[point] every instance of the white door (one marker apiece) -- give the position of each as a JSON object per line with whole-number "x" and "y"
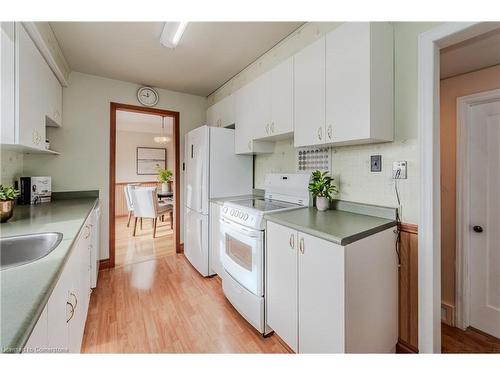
{"x": 196, "y": 241}
{"x": 281, "y": 282}
{"x": 484, "y": 146}
{"x": 321, "y": 296}
{"x": 282, "y": 98}
{"x": 197, "y": 169}
{"x": 309, "y": 95}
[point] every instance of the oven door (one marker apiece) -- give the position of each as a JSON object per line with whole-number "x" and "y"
{"x": 242, "y": 253}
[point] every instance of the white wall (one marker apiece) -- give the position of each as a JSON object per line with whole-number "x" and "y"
{"x": 12, "y": 166}
{"x": 126, "y": 155}
{"x": 84, "y": 138}
{"x": 352, "y": 163}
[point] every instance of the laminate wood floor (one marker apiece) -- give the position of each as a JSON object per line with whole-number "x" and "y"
{"x": 455, "y": 340}
{"x": 133, "y": 249}
{"x": 164, "y": 306}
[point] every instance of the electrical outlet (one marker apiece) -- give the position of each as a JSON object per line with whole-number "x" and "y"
{"x": 376, "y": 163}
{"x": 399, "y": 170}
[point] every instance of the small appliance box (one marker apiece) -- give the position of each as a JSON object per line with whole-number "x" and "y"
{"x": 35, "y": 190}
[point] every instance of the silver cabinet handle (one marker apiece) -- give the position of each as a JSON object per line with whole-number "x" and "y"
{"x": 292, "y": 241}
{"x": 320, "y": 133}
{"x": 301, "y": 245}
{"x": 330, "y": 131}
{"x": 87, "y": 235}
{"x": 272, "y": 127}
{"x": 76, "y": 300}
{"x": 72, "y": 311}
{"x": 267, "y": 128}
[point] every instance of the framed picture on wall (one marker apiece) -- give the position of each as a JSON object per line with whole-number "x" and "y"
{"x": 149, "y": 159}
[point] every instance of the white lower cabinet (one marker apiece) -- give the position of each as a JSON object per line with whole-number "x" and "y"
{"x": 215, "y": 238}
{"x": 61, "y": 326}
{"x": 325, "y": 298}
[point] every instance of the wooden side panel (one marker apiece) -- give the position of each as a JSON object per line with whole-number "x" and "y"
{"x": 120, "y": 200}
{"x": 408, "y": 289}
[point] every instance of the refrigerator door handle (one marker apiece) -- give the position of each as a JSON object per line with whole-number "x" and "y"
{"x": 192, "y": 151}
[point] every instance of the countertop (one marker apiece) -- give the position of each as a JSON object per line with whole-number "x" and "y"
{"x": 338, "y": 226}
{"x": 26, "y": 289}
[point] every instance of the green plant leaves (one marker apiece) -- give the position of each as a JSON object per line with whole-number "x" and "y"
{"x": 8, "y": 193}
{"x": 322, "y": 185}
{"x": 164, "y": 175}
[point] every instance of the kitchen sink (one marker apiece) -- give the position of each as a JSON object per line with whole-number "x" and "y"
{"x": 19, "y": 250}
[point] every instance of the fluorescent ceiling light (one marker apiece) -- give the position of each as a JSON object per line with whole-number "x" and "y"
{"x": 172, "y": 33}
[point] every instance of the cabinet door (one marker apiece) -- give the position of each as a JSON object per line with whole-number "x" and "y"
{"x": 60, "y": 312}
{"x": 31, "y": 91}
{"x": 282, "y": 98}
{"x": 39, "y": 339}
{"x": 215, "y": 239}
{"x": 54, "y": 99}
{"x": 348, "y": 82}
{"x": 261, "y": 92}
{"x": 210, "y": 116}
{"x": 243, "y": 129}
{"x": 281, "y": 285}
{"x": 227, "y": 111}
{"x": 321, "y": 296}
{"x": 309, "y": 95}
{"x": 7, "y": 83}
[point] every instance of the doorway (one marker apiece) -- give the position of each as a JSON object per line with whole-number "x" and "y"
{"x": 143, "y": 141}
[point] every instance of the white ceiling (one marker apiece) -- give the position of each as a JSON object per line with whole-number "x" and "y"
{"x": 142, "y": 123}
{"x": 208, "y": 55}
{"x": 470, "y": 55}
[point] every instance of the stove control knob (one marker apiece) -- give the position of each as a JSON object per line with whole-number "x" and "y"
{"x": 241, "y": 215}
{"x": 232, "y": 212}
{"x": 245, "y": 217}
{"x": 224, "y": 209}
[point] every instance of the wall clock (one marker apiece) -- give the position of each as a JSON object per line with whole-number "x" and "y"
{"x": 147, "y": 96}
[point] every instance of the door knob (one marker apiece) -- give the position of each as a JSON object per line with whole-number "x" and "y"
{"x": 477, "y": 228}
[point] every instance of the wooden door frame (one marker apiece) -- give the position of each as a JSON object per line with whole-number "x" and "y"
{"x": 462, "y": 293}
{"x": 114, "y": 107}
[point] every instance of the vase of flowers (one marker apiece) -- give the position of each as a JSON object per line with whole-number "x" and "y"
{"x": 322, "y": 188}
{"x": 165, "y": 179}
{"x": 7, "y": 196}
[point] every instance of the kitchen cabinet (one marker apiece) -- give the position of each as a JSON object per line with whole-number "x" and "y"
{"x": 215, "y": 238}
{"x": 247, "y": 117}
{"x": 36, "y": 94}
{"x": 322, "y": 297}
{"x": 281, "y": 290}
{"x": 223, "y": 113}
{"x": 359, "y": 83}
{"x": 61, "y": 326}
{"x": 309, "y": 95}
{"x": 275, "y": 102}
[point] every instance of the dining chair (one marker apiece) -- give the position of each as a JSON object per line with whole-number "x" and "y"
{"x": 128, "y": 198}
{"x": 145, "y": 203}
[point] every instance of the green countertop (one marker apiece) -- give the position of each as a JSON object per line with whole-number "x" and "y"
{"x": 338, "y": 226}
{"x": 26, "y": 289}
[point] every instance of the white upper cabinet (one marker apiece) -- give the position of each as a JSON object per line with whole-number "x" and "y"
{"x": 222, "y": 113}
{"x": 309, "y": 95}
{"x": 36, "y": 94}
{"x": 274, "y": 95}
{"x": 359, "y": 83}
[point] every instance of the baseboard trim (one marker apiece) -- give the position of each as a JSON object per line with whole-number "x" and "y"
{"x": 404, "y": 348}
{"x": 180, "y": 248}
{"x": 448, "y": 314}
{"x": 104, "y": 264}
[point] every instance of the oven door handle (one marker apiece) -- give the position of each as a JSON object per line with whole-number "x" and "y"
{"x": 240, "y": 228}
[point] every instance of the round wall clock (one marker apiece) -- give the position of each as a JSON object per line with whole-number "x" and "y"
{"x": 147, "y": 96}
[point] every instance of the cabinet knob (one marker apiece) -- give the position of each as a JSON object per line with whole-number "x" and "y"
{"x": 292, "y": 241}
{"x": 301, "y": 245}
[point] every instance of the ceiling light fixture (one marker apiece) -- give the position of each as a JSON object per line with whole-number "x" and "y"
{"x": 172, "y": 33}
{"x": 162, "y": 138}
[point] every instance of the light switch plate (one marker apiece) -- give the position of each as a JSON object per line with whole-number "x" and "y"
{"x": 376, "y": 163}
{"x": 401, "y": 167}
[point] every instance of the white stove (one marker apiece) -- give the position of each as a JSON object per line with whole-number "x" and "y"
{"x": 283, "y": 192}
{"x": 243, "y": 242}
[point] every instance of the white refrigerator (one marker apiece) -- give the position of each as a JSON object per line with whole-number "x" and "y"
{"x": 212, "y": 170}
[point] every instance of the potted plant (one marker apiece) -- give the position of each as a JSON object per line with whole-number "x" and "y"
{"x": 165, "y": 178}
{"x": 7, "y": 196}
{"x": 322, "y": 188}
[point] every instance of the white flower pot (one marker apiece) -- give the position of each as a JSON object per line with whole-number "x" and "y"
{"x": 322, "y": 203}
{"x": 164, "y": 187}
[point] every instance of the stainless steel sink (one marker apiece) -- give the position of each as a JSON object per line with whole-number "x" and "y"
{"x": 19, "y": 250}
